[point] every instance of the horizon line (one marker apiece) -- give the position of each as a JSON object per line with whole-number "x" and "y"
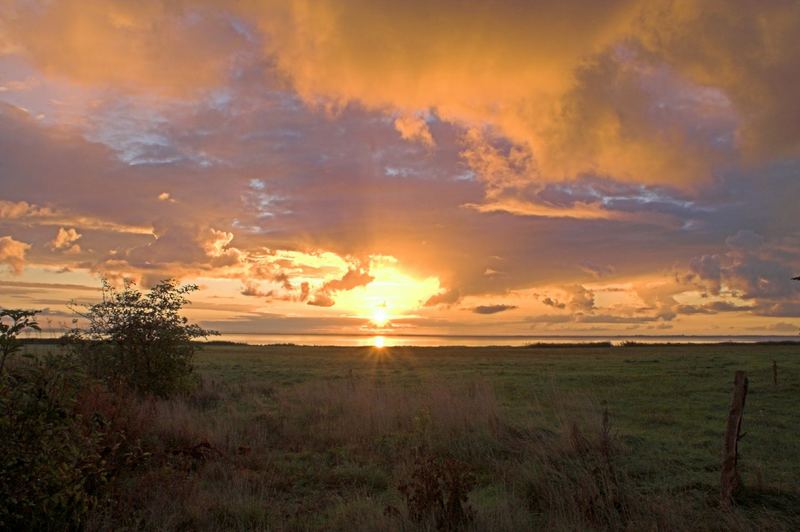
{"x": 428, "y": 335}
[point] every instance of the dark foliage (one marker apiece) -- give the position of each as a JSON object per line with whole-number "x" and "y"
{"x": 43, "y": 473}
{"x": 12, "y": 323}
{"x": 140, "y": 340}
{"x": 60, "y": 446}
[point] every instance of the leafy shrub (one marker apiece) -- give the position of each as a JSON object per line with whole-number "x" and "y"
{"x": 47, "y": 468}
{"x": 140, "y": 340}
{"x": 64, "y": 438}
{"x": 12, "y": 323}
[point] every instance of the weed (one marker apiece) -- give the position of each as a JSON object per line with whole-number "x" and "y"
{"x": 438, "y": 490}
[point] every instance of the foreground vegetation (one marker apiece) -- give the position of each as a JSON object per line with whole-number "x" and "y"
{"x": 301, "y": 438}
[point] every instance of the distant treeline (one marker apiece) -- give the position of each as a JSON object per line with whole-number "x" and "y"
{"x": 629, "y": 343}
{"x": 42, "y": 341}
{"x": 632, "y": 343}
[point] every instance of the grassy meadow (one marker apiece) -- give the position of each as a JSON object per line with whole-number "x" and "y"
{"x": 454, "y": 438}
{"x": 329, "y": 438}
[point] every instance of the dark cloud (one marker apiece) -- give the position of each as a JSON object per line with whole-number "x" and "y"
{"x": 492, "y": 309}
{"x": 550, "y": 302}
{"x": 322, "y": 300}
{"x": 448, "y": 297}
{"x": 753, "y": 269}
{"x": 352, "y": 279}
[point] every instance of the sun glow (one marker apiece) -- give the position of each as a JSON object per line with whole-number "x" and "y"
{"x": 379, "y": 316}
{"x": 391, "y": 294}
{"x": 379, "y": 342}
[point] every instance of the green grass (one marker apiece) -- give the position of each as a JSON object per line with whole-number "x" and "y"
{"x": 321, "y": 437}
{"x": 668, "y": 403}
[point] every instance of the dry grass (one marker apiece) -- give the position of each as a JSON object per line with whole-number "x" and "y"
{"x": 330, "y": 455}
{"x": 358, "y": 413}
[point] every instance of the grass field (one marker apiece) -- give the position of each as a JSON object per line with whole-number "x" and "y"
{"x": 325, "y": 438}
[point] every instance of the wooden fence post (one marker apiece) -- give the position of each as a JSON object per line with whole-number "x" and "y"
{"x": 774, "y": 373}
{"x": 730, "y": 476}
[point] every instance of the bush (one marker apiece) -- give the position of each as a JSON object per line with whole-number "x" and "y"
{"x": 64, "y": 439}
{"x": 48, "y": 466}
{"x": 139, "y": 340}
{"x": 12, "y": 323}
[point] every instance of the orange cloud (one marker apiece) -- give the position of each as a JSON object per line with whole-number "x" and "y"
{"x": 414, "y": 128}
{"x": 548, "y": 76}
{"x": 174, "y": 47}
{"x": 11, "y": 210}
{"x": 12, "y": 253}
{"x": 745, "y": 49}
{"x": 322, "y": 300}
{"x": 632, "y": 89}
{"x": 65, "y": 241}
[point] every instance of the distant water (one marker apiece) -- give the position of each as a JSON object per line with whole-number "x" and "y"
{"x": 389, "y": 340}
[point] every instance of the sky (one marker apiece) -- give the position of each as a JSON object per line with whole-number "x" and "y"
{"x": 360, "y": 166}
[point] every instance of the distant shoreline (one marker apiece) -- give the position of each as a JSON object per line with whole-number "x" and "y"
{"x": 624, "y": 341}
{"x": 510, "y": 336}
{"x": 533, "y": 345}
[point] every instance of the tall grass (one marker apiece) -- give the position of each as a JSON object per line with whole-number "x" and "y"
{"x": 360, "y": 413}
{"x": 333, "y": 455}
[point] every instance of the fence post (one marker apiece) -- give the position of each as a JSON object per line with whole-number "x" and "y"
{"x": 730, "y": 476}
{"x": 774, "y": 373}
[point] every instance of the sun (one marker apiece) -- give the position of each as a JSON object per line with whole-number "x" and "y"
{"x": 390, "y": 295}
{"x": 379, "y": 316}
